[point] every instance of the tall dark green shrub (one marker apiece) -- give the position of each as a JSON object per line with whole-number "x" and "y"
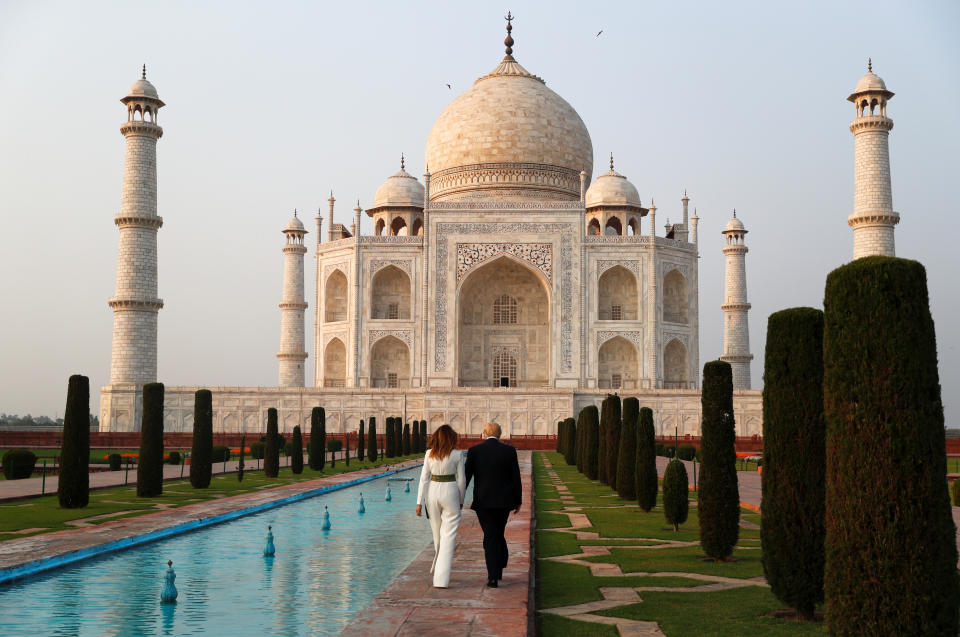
{"x": 560, "y": 433}
{"x": 406, "y": 439}
{"x": 296, "y": 460}
{"x": 201, "y": 468}
{"x": 73, "y": 485}
{"x": 150, "y": 460}
{"x": 592, "y": 439}
{"x": 891, "y": 555}
{"x": 601, "y": 451}
{"x": 570, "y": 441}
{"x": 243, "y": 452}
{"x": 316, "y": 453}
{"x": 271, "y": 454}
{"x": 415, "y": 437}
{"x": 346, "y": 449}
{"x": 372, "y": 439}
{"x": 423, "y": 436}
{"x": 610, "y": 424}
{"x": 361, "y": 443}
{"x": 794, "y": 462}
{"x": 388, "y": 438}
{"x": 718, "y": 506}
{"x": 18, "y": 464}
{"x": 676, "y": 491}
{"x": 627, "y": 452}
{"x": 580, "y": 451}
{"x": 646, "y": 480}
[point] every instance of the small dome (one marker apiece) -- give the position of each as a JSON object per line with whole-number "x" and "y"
{"x": 143, "y": 88}
{"x": 399, "y": 190}
{"x": 612, "y": 189}
{"x": 870, "y": 82}
{"x": 295, "y": 225}
{"x": 735, "y": 225}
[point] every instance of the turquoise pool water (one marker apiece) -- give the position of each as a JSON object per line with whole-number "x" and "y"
{"x": 315, "y": 584}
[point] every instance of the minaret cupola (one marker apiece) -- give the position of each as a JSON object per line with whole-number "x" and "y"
{"x": 613, "y": 205}
{"x": 398, "y": 205}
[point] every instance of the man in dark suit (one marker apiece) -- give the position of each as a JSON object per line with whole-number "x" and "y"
{"x": 496, "y": 491}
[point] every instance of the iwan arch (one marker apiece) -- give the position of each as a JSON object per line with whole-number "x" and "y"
{"x": 507, "y": 285}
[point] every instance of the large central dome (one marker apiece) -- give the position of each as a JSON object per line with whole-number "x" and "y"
{"x": 509, "y": 138}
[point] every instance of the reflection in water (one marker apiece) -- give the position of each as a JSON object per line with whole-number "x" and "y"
{"x": 316, "y": 583}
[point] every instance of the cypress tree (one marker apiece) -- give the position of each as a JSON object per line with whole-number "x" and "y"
{"x": 646, "y": 468}
{"x": 610, "y": 417}
{"x": 317, "y": 452}
{"x": 150, "y": 460}
{"x": 398, "y": 436}
{"x": 581, "y": 443}
{"x": 627, "y": 456}
{"x": 271, "y": 454}
{"x": 361, "y": 446}
{"x": 718, "y": 506}
{"x": 388, "y": 437}
{"x": 415, "y": 437}
{"x": 423, "y": 436}
{"x": 570, "y": 441}
{"x": 73, "y": 486}
{"x": 201, "y": 453}
{"x": 560, "y": 433}
{"x": 676, "y": 490}
{"x": 794, "y": 463}
{"x": 891, "y": 556}
{"x": 372, "y": 439}
{"x": 592, "y": 440}
{"x": 601, "y": 452}
{"x": 243, "y": 452}
{"x": 296, "y": 461}
{"x": 406, "y": 439}
{"x": 346, "y": 449}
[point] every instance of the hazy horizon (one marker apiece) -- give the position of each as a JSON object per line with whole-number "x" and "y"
{"x": 270, "y": 107}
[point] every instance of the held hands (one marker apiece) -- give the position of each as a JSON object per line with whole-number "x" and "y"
{"x": 419, "y": 510}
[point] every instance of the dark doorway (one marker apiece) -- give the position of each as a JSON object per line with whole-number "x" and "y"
{"x": 504, "y": 381}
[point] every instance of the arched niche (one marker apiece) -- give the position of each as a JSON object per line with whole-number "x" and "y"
{"x": 617, "y": 295}
{"x": 378, "y": 227}
{"x": 614, "y": 227}
{"x": 676, "y": 368}
{"x": 390, "y": 363}
{"x": 503, "y": 308}
{"x": 617, "y": 364}
{"x": 335, "y": 298}
{"x": 593, "y": 228}
{"x": 675, "y": 297}
{"x": 391, "y": 294}
{"x": 398, "y": 227}
{"x": 335, "y": 364}
{"x": 417, "y": 230}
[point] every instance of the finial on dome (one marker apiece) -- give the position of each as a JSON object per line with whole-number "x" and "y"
{"x": 401, "y": 161}
{"x": 509, "y": 39}
{"x": 143, "y": 75}
{"x": 684, "y": 193}
{"x": 869, "y": 65}
{"x": 294, "y": 213}
{"x": 611, "y": 161}
{"x": 734, "y": 213}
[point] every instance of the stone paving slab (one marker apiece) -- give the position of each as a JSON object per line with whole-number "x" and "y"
{"x": 62, "y": 546}
{"x": 410, "y": 605}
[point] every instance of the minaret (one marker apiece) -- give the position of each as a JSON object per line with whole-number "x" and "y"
{"x": 292, "y": 352}
{"x": 682, "y": 233}
{"x": 873, "y": 217}
{"x": 652, "y": 300}
{"x": 135, "y": 303}
{"x": 330, "y": 201}
{"x": 736, "y": 333}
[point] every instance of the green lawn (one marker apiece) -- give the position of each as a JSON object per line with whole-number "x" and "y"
{"x": 44, "y": 513}
{"x": 738, "y": 611}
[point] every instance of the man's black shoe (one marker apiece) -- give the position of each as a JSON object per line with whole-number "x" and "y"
{"x": 491, "y": 583}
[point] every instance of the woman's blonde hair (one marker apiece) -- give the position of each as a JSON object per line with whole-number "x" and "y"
{"x": 442, "y": 442}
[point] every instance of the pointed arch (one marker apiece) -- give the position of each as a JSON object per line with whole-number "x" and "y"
{"x": 676, "y": 367}
{"x": 417, "y": 230}
{"x": 617, "y": 364}
{"x": 593, "y": 228}
{"x": 675, "y": 298}
{"x": 390, "y": 363}
{"x": 613, "y": 227}
{"x": 378, "y": 227}
{"x": 617, "y": 298}
{"x": 398, "y": 227}
{"x": 390, "y": 294}
{"x": 335, "y": 297}
{"x": 335, "y": 364}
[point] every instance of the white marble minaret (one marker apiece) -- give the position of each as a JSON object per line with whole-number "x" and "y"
{"x": 292, "y": 352}
{"x": 873, "y": 217}
{"x": 736, "y": 333}
{"x": 135, "y": 303}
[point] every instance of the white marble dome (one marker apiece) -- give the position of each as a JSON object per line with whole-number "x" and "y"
{"x": 143, "y": 88}
{"x": 870, "y": 82}
{"x": 401, "y": 190}
{"x": 612, "y": 189}
{"x": 508, "y": 137}
{"x": 295, "y": 225}
{"x": 735, "y": 225}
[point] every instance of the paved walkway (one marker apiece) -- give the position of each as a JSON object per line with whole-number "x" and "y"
{"x": 411, "y": 606}
{"x": 17, "y": 552}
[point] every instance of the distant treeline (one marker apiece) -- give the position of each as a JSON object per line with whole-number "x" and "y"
{"x": 27, "y": 421}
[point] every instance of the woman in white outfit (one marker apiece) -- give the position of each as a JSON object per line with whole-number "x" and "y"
{"x": 442, "y": 486}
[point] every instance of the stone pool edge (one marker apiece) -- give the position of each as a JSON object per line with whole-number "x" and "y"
{"x": 53, "y": 562}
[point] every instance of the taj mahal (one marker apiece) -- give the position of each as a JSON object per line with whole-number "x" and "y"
{"x": 507, "y": 284}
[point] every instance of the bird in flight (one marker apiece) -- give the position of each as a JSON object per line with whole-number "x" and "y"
{"x": 598, "y": 33}
{"x": 449, "y": 87}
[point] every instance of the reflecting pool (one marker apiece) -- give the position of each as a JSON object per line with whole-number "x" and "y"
{"x": 315, "y": 584}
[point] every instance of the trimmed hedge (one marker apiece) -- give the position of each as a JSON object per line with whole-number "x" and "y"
{"x": 592, "y": 442}
{"x": 201, "y": 453}
{"x": 718, "y": 506}
{"x": 116, "y": 461}
{"x": 627, "y": 453}
{"x": 73, "y": 484}
{"x": 646, "y": 469}
{"x": 676, "y": 491}
{"x": 219, "y": 453}
{"x": 257, "y": 449}
{"x": 570, "y": 441}
{"x": 173, "y": 458}
{"x": 686, "y": 452}
{"x": 891, "y": 555}
{"x": 611, "y": 439}
{"x": 372, "y": 439}
{"x": 296, "y": 459}
{"x": 361, "y": 443}
{"x": 150, "y": 460}
{"x": 389, "y": 443}
{"x": 580, "y": 443}
{"x": 423, "y": 436}
{"x": 318, "y": 439}
{"x": 406, "y": 439}
{"x": 18, "y": 464}
{"x": 794, "y": 459}
{"x": 271, "y": 454}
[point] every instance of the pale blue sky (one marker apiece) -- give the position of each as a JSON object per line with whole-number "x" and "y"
{"x": 271, "y": 105}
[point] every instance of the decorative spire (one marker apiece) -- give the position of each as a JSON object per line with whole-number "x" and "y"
{"x": 143, "y": 75}
{"x": 294, "y": 213}
{"x": 611, "y": 162}
{"x": 509, "y": 39}
{"x": 734, "y": 213}
{"x": 401, "y": 161}
{"x": 685, "y": 193}
{"x": 869, "y": 65}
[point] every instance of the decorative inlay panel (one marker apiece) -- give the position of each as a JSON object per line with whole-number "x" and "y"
{"x": 329, "y": 337}
{"x": 368, "y": 238}
{"x": 680, "y": 336}
{"x": 539, "y": 255}
{"x": 666, "y": 267}
{"x": 634, "y": 336}
{"x": 632, "y": 265}
{"x": 404, "y": 264}
{"x": 327, "y": 269}
{"x": 506, "y": 205}
{"x": 566, "y": 233}
{"x": 599, "y": 238}
{"x": 404, "y": 335}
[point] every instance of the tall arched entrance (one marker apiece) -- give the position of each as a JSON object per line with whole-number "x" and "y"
{"x": 675, "y": 366}
{"x": 503, "y": 327}
{"x": 617, "y": 364}
{"x": 390, "y": 363}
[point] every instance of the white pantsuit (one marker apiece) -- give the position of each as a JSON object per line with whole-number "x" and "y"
{"x": 444, "y": 501}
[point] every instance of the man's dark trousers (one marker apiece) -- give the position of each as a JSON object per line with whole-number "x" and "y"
{"x": 497, "y": 490}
